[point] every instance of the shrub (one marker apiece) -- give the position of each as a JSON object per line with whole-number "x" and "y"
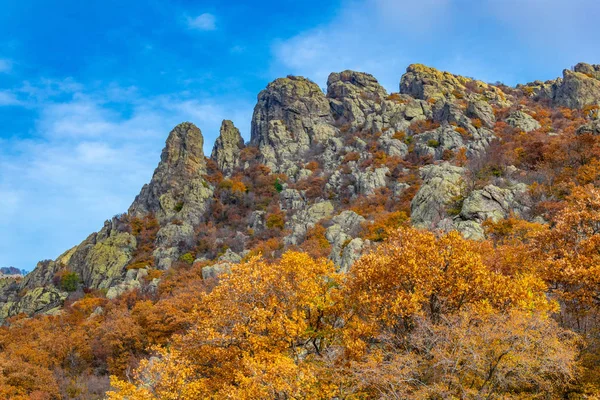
{"x": 400, "y": 135}
{"x": 353, "y": 156}
{"x": 447, "y": 155}
{"x": 433, "y": 143}
{"x": 313, "y": 166}
{"x": 276, "y": 220}
{"x": 178, "y": 206}
{"x": 69, "y": 281}
{"x": 385, "y": 223}
{"x": 187, "y": 258}
{"x": 462, "y": 131}
{"x": 421, "y": 126}
{"x": 278, "y": 186}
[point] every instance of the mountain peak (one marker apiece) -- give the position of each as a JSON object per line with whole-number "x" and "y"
{"x": 227, "y": 147}
{"x": 181, "y": 161}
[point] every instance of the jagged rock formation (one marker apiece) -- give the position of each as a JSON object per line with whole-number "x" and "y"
{"x": 522, "y": 121}
{"x": 292, "y": 114}
{"x": 442, "y": 185}
{"x": 314, "y": 160}
{"x": 577, "y": 88}
{"x": 227, "y": 148}
{"x": 177, "y": 187}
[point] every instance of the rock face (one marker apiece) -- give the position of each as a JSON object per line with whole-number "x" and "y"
{"x": 354, "y": 97}
{"x": 227, "y": 148}
{"x": 35, "y": 301}
{"x": 345, "y": 247}
{"x": 442, "y": 184}
{"x": 306, "y": 219}
{"x": 579, "y": 87}
{"x": 494, "y": 203}
{"x": 423, "y": 82}
{"x": 177, "y": 186}
{"x": 522, "y": 121}
{"x": 292, "y": 114}
{"x": 483, "y": 111}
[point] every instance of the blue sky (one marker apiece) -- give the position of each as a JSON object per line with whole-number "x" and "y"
{"x": 90, "y": 89}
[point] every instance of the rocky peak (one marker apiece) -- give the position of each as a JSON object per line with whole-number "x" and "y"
{"x": 423, "y": 82}
{"x": 426, "y": 83}
{"x": 291, "y": 115}
{"x": 579, "y": 87}
{"x": 591, "y": 70}
{"x": 353, "y": 96}
{"x": 227, "y": 147}
{"x": 353, "y": 84}
{"x": 183, "y": 153}
{"x": 181, "y": 161}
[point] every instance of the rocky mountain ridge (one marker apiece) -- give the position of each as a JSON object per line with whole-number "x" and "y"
{"x": 324, "y": 172}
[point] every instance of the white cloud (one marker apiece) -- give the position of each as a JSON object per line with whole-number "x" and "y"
{"x": 203, "y": 22}
{"x": 368, "y": 36}
{"x": 8, "y": 98}
{"x": 562, "y": 33}
{"x": 5, "y": 65}
{"x": 86, "y": 162}
{"x": 506, "y": 40}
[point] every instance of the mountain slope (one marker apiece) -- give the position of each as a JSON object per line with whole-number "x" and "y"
{"x": 330, "y": 173}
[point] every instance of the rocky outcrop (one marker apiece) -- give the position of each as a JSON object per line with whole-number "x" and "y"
{"x": 442, "y": 185}
{"x": 135, "y": 279}
{"x": 223, "y": 265}
{"x": 177, "y": 187}
{"x": 227, "y": 148}
{"x": 482, "y": 111}
{"x": 341, "y": 234}
{"x": 305, "y": 219}
{"x": 355, "y": 98}
{"x": 491, "y": 203}
{"x": 591, "y": 128}
{"x": 292, "y": 114}
{"x": 368, "y": 181}
{"x": 434, "y": 143}
{"x": 39, "y": 300}
{"x": 579, "y": 87}
{"x": 424, "y": 82}
{"x": 522, "y": 121}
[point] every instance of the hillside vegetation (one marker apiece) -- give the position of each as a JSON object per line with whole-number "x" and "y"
{"x": 440, "y": 242}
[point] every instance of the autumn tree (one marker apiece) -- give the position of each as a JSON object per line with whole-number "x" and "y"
{"x": 253, "y": 337}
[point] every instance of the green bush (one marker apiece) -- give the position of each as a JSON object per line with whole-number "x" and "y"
{"x": 187, "y": 258}
{"x": 69, "y": 281}
{"x": 278, "y": 186}
{"x": 178, "y": 206}
{"x": 433, "y": 143}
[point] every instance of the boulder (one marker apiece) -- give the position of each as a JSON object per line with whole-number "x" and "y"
{"x": 442, "y": 184}
{"x": 591, "y": 128}
{"x": 305, "y": 219}
{"x": 494, "y": 203}
{"x": 522, "y": 121}
{"x": 346, "y": 226}
{"x": 369, "y": 180}
{"x": 352, "y": 252}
